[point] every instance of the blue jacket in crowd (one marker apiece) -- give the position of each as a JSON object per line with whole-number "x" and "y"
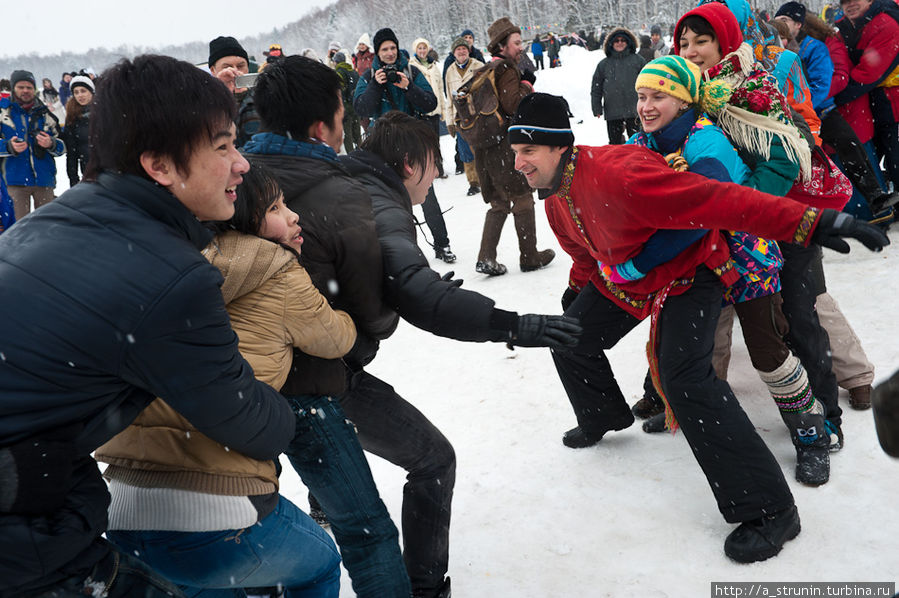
{"x": 373, "y": 99}
{"x": 818, "y": 68}
{"x": 35, "y": 166}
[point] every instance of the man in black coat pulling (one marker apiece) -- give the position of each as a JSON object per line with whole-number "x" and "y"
{"x": 396, "y": 164}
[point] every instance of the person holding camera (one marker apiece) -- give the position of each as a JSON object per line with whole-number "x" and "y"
{"x": 392, "y": 84}
{"x": 29, "y": 140}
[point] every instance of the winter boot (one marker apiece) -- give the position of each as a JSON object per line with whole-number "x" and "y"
{"x": 651, "y": 404}
{"x": 580, "y": 437}
{"x": 445, "y": 253}
{"x": 860, "y": 397}
{"x": 655, "y": 423}
{"x": 493, "y": 228}
{"x": 804, "y": 417}
{"x": 762, "y": 538}
{"x": 812, "y": 443}
{"x": 316, "y": 512}
{"x": 526, "y": 227}
{"x": 473, "y": 190}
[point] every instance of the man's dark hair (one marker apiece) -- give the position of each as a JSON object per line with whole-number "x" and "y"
{"x": 255, "y": 195}
{"x": 400, "y": 139}
{"x": 294, "y": 93}
{"x": 154, "y": 104}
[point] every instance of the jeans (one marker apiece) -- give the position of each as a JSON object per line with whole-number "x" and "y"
{"x": 328, "y": 457}
{"x": 744, "y": 477}
{"x": 129, "y": 577}
{"x": 286, "y": 548}
{"x": 396, "y": 431}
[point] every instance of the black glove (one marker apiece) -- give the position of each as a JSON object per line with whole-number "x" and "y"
{"x": 834, "y": 224}
{"x": 529, "y": 76}
{"x": 568, "y": 298}
{"x": 448, "y": 277}
{"x": 363, "y": 352}
{"x": 537, "y": 330}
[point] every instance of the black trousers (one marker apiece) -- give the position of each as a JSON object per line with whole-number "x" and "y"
{"x": 393, "y": 429}
{"x": 835, "y": 131}
{"x": 886, "y": 133}
{"x": 538, "y": 61}
{"x": 616, "y": 129}
{"x": 742, "y": 473}
{"x": 801, "y": 281}
{"x": 431, "y": 208}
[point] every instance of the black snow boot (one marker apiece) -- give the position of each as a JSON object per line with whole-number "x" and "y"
{"x": 812, "y": 443}
{"x": 651, "y": 404}
{"x": 580, "y": 438}
{"x": 762, "y": 538}
{"x": 443, "y": 591}
{"x": 655, "y": 424}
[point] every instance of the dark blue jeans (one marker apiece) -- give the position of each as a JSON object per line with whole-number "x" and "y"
{"x": 120, "y": 574}
{"x": 328, "y": 457}
{"x": 286, "y": 549}
{"x": 395, "y": 430}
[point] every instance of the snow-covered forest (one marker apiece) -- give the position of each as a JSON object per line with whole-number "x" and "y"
{"x": 345, "y": 20}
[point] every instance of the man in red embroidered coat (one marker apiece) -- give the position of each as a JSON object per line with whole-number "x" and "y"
{"x": 603, "y": 203}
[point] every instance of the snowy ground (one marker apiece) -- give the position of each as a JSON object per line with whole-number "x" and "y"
{"x": 632, "y": 516}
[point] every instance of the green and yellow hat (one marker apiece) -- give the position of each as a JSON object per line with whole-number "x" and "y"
{"x": 672, "y": 75}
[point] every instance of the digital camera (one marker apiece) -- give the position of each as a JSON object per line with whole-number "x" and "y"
{"x": 392, "y": 72}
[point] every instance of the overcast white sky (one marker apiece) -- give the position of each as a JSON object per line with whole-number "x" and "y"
{"x": 51, "y": 26}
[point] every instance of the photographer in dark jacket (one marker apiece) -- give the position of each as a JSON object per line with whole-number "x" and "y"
{"x": 391, "y": 84}
{"x": 120, "y": 309}
{"x": 397, "y": 165}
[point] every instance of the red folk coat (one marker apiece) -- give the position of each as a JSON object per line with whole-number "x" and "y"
{"x": 613, "y": 198}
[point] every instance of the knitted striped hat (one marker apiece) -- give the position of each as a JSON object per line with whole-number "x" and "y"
{"x": 672, "y": 75}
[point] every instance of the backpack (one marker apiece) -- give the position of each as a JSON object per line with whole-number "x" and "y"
{"x": 479, "y": 118}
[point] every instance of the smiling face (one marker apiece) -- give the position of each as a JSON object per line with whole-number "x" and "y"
{"x": 461, "y": 54}
{"x": 657, "y": 109}
{"x": 280, "y": 225}
{"x": 421, "y": 50}
{"x": 703, "y": 50}
{"x": 619, "y": 44}
{"x": 538, "y": 163}
{"x": 855, "y": 9}
{"x": 387, "y": 53}
{"x": 215, "y": 168}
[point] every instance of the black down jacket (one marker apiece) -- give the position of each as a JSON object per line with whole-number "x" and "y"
{"x": 109, "y": 303}
{"x": 411, "y": 287}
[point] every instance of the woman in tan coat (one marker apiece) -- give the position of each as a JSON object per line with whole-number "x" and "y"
{"x": 165, "y": 475}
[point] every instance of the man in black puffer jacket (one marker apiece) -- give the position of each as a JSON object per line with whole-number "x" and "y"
{"x": 396, "y": 164}
{"x": 301, "y": 109}
{"x": 110, "y": 304}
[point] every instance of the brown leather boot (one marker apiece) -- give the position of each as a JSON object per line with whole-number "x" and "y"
{"x": 493, "y": 228}
{"x": 860, "y": 397}
{"x": 526, "y": 227}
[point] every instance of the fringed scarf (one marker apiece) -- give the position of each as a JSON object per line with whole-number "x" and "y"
{"x": 757, "y": 111}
